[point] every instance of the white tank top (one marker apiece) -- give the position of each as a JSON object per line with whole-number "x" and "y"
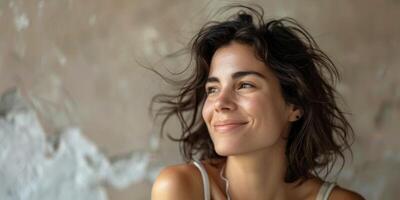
{"x": 323, "y": 192}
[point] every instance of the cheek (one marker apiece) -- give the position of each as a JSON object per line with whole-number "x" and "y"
{"x": 254, "y": 106}
{"x": 265, "y": 113}
{"x": 207, "y": 112}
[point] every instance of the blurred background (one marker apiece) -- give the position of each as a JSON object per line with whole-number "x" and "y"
{"x": 78, "y": 64}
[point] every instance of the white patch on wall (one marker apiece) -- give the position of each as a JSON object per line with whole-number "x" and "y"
{"x": 63, "y": 167}
{"x": 152, "y": 42}
{"x": 40, "y": 7}
{"x": 92, "y": 20}
{"x": 21, "y": 22}
{"x": 62, "y": 60}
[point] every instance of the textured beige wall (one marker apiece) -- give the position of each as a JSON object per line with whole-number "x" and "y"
{"x": 76, "y": 60}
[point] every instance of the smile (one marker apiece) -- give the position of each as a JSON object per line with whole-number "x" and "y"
{"x": 228, "y": 127}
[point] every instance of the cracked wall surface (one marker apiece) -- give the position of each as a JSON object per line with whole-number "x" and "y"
{"x": 78, "y": 67}
{"x": 64, "y": 166}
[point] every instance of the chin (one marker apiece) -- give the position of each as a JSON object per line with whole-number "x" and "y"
{"x": 227, "y": 150}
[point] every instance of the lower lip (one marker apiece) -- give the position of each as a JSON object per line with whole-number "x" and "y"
{"x": 228, "y": 128}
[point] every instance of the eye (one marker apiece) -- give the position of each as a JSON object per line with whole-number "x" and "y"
{"x": 246, "y": 85}
{"x": 210, "y": 90}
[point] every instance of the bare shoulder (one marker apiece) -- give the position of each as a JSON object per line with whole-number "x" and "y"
{"x": 177, "y": 182}
{"x": 339, "y": 193}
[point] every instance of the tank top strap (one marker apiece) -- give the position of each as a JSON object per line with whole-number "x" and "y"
{"x": 325, "y": 190}
{"x": 204, "y": 175}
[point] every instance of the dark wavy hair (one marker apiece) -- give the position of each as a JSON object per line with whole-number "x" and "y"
{"x": 306, "y": 76}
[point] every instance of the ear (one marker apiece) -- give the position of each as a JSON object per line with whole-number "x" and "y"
{"x": 296, "y": 113}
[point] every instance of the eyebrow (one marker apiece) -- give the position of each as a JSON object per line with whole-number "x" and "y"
{"x": 237, "y": 75}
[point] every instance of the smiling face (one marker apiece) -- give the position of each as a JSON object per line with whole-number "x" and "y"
{"x": 244, "y": 110}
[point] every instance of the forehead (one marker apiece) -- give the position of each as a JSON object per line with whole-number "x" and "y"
{"x": 236, "y": 57}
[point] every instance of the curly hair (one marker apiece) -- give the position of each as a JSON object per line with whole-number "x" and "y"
{"x": 306, "y": 76}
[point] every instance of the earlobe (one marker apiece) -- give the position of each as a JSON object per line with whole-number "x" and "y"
{"x": 295, "y": 117}
{"x": 297, "y": 113}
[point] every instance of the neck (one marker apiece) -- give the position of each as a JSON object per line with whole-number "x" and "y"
{"x": 258, "y": 174}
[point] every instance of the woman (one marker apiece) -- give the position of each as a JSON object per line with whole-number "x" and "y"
{"x": 269, "y": 121}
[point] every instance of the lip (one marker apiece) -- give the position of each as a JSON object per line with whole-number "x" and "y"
{"x": 225, "y": 126}
{"x": 229, "y": 122}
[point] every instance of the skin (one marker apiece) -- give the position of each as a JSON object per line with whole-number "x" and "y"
{"x": 243, "y": 90}
{"x": 255, "y": 150}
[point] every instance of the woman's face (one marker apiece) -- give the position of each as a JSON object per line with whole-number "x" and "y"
{"x": 244, "y": 110}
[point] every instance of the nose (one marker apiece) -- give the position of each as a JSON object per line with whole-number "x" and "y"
{"x": 225, "y": 101}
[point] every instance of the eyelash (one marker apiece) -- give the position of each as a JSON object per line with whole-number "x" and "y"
{"x": 241, "y": 84}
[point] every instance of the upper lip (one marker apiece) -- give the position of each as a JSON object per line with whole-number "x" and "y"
{"x": 228, "y": 122}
